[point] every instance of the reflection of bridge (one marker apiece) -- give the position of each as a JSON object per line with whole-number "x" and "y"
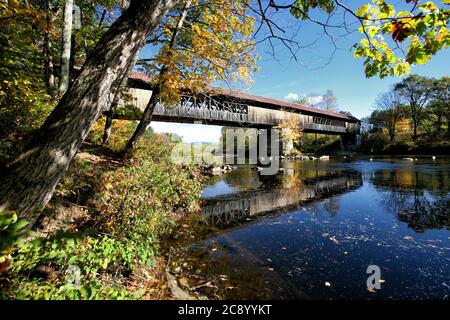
{"x": 229, "y": 108}
{"x": 234, "y": 208}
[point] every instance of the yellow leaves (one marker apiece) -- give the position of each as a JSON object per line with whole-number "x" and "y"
{"x": 216, "y": 46}
{"x": 442, "y": 33}
{"x": 428, "y": 7}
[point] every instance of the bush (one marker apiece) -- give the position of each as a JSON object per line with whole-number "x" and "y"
{"x": 130, "y": 205}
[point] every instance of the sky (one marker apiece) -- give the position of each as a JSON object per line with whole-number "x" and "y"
{"x": 316, "y": 71}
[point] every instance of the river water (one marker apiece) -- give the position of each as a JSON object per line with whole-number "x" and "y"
{"x": 312, "y": 230}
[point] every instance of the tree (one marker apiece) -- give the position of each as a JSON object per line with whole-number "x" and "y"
{"x": 23, "y": 100}
{"x": 290, "y": 132}
{"x": 28, "y": 182}
{"x": 206, "y": 44}
{"x": 389, "y": 107}
{"x": 156, "y": 92}
{"x": 66, "y": 47}
{"x": 415, "y": 91}
{"x": 441, "y": 100}
{"x": 329, "y": 101}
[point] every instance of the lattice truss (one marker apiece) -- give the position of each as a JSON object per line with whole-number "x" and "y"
{"x": 207, "y": 102}
{"x": 329, "y": 122}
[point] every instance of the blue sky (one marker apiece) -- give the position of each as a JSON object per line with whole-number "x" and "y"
{"x": 280, "y": 76}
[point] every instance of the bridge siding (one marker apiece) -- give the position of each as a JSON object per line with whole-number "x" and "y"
{"x": 256, "y": 116}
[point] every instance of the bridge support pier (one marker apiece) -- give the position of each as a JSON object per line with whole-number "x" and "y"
{"x": 350, "y": 142}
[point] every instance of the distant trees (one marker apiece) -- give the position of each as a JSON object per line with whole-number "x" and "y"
{"x": 389, "y": 111}
{"x": 421, "y": 103}
{"x": 329, "y": 101}
{"x": 415, "y": 91}
{"x": 326, "y": 101}
{"x": 440, "y": 101}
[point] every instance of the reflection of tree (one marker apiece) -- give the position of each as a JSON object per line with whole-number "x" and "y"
{"x": 242, "y": 179}
{"x": 418, "y": 199}
{"x": 424, "y": 214}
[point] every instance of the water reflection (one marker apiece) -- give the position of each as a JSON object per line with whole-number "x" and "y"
{"x": 285, "y": 191}
{"x": 312, "y": 230}
{"x": 419, "y": 199}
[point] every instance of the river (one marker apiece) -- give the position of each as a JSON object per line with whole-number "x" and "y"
{"x": 312, "y": 230}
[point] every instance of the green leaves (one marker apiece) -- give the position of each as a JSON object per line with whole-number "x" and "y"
{"x": 302, "y": 7}
{"x": 392, "y": 41}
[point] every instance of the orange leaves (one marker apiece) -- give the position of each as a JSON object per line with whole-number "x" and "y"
{"x": 400, "y": 31}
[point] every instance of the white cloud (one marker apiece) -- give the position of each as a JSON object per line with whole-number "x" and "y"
{"x": 291, "y": 96}
{"x": 315, "y": 99}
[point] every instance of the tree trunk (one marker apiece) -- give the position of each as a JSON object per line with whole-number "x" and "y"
{"x": 109, "y": 119}
{"x": 49, "y": 71}
{"x": 448, "y": 124}
{"x": 391, "y": 134}
{"x": 143, "y": 124}
{"x": 115, "y": 103}
{"x": 29, "y": 182}
{"x": 148, "y": 112}
{"x": 414, "y": 128}
{"x": 66, "y": 47}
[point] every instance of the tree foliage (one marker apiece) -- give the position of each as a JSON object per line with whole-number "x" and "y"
{"x": 396, "y": 35}
{"x": 213, "y": 46}
{"x": 416, "y": 107}
{"x": 396, "y": 39}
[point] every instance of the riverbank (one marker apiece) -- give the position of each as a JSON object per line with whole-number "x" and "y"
{"x": 101, "y": 235}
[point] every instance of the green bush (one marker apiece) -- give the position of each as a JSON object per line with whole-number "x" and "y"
{"x": 130, "y": 207}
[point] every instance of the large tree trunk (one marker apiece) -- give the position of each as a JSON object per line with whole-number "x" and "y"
{"x": 66, "y": 47}
{"x": 29, "y": 182}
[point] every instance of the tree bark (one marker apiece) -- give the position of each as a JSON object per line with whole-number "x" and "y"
{"x": 143, "y": 124}
{"x": 49, "y": 71}
{"x": 66, "y": 47}
{"x": 148, "y": 112}
{"x": 29, "y": 182}
{"x": 116, "y": 100}
{"x": 415, "y": 124}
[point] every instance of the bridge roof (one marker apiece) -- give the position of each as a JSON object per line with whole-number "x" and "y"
{"x": 263, "y": 101}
